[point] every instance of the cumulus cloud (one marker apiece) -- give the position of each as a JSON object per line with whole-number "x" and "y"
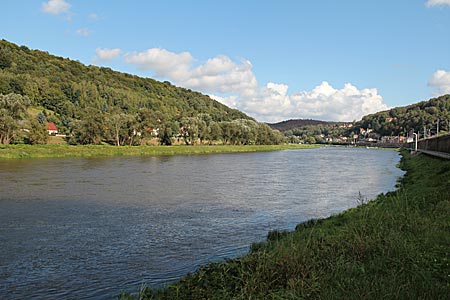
{"x": 431, "y": 3}
{"x": 217, "y": 75}
{"x": 107, "y": 54}
{"x": 83, "y": 32}
{"x": 440, "y": 80}
{"x": 279, "y": 88}
{"x": 221, "y": 74}
{"x": 323, "y": 102}
{"x": 163, "y": 63}
{"x": 56, "y": 7}
{"x": 234, "y": 84}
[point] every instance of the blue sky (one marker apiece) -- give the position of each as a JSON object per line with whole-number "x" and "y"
{"x": 275, "y": 60}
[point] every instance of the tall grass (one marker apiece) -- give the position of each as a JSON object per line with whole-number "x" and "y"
{"x": 396, "y": 247}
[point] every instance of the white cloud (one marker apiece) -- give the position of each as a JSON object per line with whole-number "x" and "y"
{"x": 323, "y": 102}
{"x": 431, "y": 3}
{"x": 217, "y": 75}
{"x": 440, "y": 80}
{"x": 279, "y": 88}
{"x": 164, "y": 63}
{"x": 83, "y": 32}
{"x": 56, "y": 7}
{"x": 221, "y": 74}
{"x": 107, "y": 54}
{"x": 234, "y": 84}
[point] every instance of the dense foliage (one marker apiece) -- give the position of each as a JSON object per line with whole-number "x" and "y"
{"x": 94, "y": 104}
{"x": 416, "y": 117}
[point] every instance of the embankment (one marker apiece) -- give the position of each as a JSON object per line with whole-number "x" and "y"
{"x": 396, "y": 247}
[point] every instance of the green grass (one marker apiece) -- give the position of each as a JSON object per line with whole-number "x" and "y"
{"x": 42, "y": 151}
{"x": 396, "y": 247}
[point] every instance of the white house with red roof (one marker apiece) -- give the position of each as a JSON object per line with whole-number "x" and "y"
{"x": 51, "y": 128}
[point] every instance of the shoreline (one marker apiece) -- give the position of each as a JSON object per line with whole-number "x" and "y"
{"x": 67, "y": 151}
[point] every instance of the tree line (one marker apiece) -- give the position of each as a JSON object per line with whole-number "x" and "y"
{"x": 118, "y": 128}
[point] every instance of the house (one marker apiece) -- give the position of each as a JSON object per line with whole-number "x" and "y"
{"x": 51, "y": 128}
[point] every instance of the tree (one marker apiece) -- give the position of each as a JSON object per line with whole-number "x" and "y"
{"x": 166, "y": 131}
{"x": 13, "y": 107}
{"x": 146, "y": 122}
{"x": 90, "y": 129}
{"x": 311, "y": 140}
{"x": 190, "y": 129}
{"x": 203, "y": 130}
{"x": 215, "y": 131}
{"x": 37, "y": 134}
{"x": 8, "y": 127}
{"x": 165, "y": 135}
{"x": 5, "y": 59}
{"x": 42, "y": 117}
{"x": 123, "y": 128}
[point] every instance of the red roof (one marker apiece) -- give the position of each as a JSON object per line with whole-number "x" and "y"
{"x": 51, "y": 126}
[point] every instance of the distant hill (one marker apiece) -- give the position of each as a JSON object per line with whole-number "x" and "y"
{"x": 297, "y": 123}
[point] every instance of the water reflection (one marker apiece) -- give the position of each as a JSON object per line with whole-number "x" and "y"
{"x": 90, "y": 228}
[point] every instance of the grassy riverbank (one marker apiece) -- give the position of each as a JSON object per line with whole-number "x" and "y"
{"x": 49, "y": 151}
{"x": 396, "y": 247}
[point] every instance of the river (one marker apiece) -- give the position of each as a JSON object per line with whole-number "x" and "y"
{"x": 92, "y": 228}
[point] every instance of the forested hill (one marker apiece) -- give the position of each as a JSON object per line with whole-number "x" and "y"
{"x": 95, "y": 105}
{"x": 296, "y": 123}
{"x": 400, "y": 120}
{"x": 67, "y": 87}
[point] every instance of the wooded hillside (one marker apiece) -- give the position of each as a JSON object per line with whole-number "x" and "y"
{"x": 116, "y": 105}
{"x": 416, "y": 117}
{"x": 297, "y": 123}
{"x": 66, "y": 87}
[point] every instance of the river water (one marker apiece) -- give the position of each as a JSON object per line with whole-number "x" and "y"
{"x": 92, "y": 228}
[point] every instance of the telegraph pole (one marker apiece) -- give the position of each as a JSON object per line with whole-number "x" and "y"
{"x": 415, "y": 141}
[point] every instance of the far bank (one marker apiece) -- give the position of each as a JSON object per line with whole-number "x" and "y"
{"x": 54, "y": 151}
